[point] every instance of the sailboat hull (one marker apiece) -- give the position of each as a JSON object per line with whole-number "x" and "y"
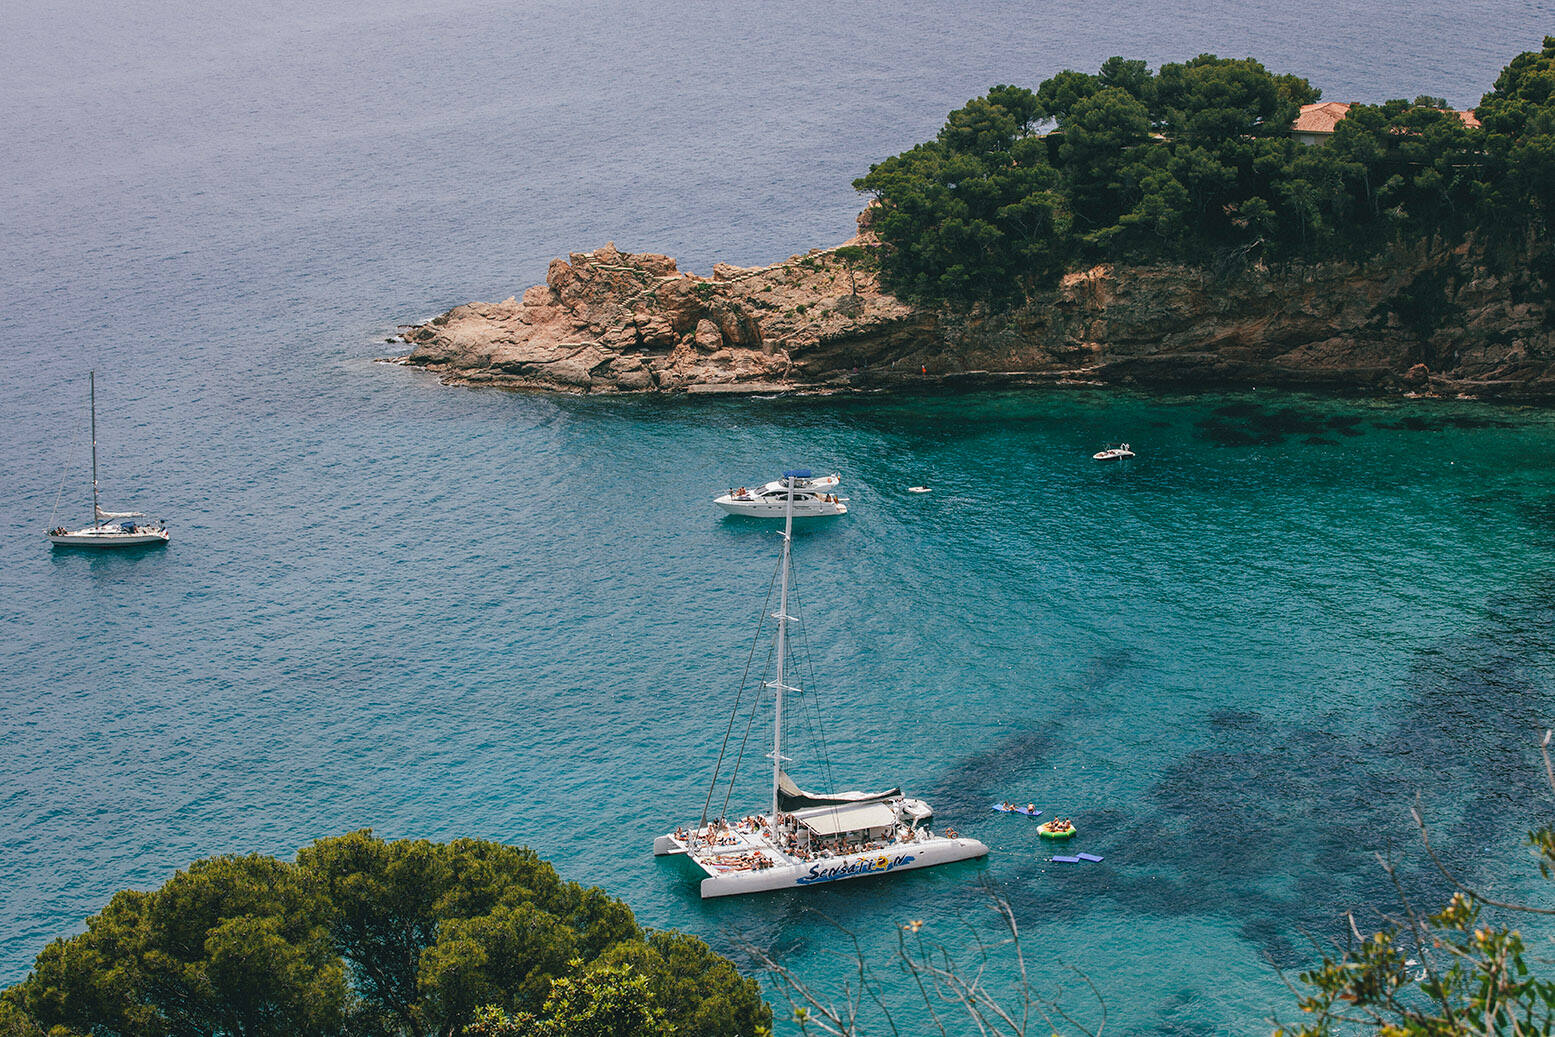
{"x": 108, "y": 538}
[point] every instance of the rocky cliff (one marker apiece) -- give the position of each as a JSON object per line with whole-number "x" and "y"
{"x": 609, "y": 321}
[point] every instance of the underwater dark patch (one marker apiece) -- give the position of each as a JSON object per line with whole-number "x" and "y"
{"x": 968, "y": 785}
{"x": 1271, "y": 935}
{"x": 1443, "y": 422}
{"x": 1238, "y": 410}
{"x": 1540, "y": 513}
{"x": 1224, "y": 433}
{"x": 1233, "y": 719}
{"x": 1184, "y": 1016}
{"x": 1250, "y": 424}
{"x": 1285, "y": 825}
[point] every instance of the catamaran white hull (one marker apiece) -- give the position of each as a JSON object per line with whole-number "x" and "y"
{"x": 771, "y": 510}
{"x": 108, "y": 538}
{"x": 903, "y": 856}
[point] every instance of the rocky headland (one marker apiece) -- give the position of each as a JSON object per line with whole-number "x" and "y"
{"x": 610, "y": 321}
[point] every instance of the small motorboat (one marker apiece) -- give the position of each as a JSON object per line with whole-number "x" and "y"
{"x": 919, "y": 489}
{"x": 773, "y": 500}
{"x": 1058, "y": 828}
{"x": 1113, "y": 452}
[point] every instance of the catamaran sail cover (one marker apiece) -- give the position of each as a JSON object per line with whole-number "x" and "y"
{"x": 856, "y": 817}
{"x": 791, "y": 797}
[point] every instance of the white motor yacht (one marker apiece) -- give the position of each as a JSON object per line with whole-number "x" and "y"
{"x": 1114, "y": 452}
{"x": 775, "y": 499}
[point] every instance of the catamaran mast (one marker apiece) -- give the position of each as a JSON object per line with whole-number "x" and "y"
{"x": 782, "y": 634}
{"x": 96, "y": 511}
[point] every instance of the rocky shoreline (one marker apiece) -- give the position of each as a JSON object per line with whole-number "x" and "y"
{"x": 611, "y": 322}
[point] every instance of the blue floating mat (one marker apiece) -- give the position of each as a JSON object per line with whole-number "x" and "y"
{"x": 1065, "y": 860}
{"x": 1001, "y": 808}
{"x": 1089, "y": 857}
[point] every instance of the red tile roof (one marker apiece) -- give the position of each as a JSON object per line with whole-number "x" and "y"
{"x": 1321, "y": 117}
{"x": 1325, "y": 115}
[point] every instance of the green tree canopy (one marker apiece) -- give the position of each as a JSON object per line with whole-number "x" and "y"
{"x": 364, "y": 936}
{"x": 1059, "y": 95}
{"x": 972, "y": 213}
{"x": 1518, "y": 116}
{"x": 1196, "y": 163}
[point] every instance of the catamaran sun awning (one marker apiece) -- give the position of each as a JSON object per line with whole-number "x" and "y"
{"x": 791, "y": 797}
{"x": 826, "y": 821}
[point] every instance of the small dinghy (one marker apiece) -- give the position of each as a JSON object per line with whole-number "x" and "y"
{"x": 919, "y": 489}
{"x": 1058, "y": 828}
{"x": 1113, "y": 452}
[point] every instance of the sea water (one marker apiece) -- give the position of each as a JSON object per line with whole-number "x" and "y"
{"x": 1236, "y": 661}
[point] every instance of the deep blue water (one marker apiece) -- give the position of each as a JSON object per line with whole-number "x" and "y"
{"x": 440, "y": 612}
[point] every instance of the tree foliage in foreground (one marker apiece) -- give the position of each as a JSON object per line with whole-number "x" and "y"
{"x": 1196, "y": 163}
{"x": 363, "y": 936}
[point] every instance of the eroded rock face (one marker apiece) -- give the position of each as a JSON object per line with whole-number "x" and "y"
{"x": 610, "y": 321}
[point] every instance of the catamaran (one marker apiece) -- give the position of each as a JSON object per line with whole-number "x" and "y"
{"x": 108, "y": 528}
{"x": 809, "y": 838}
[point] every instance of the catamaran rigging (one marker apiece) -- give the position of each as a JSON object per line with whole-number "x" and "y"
{"x": 806, "y": 838}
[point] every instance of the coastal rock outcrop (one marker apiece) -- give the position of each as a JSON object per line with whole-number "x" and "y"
{"x": 611, "y": 321}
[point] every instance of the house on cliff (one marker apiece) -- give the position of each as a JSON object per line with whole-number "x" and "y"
{"x": 1316, "y": 122}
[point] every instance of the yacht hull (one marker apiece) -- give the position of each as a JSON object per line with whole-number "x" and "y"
{"x": 107, "y": 538}
{"x": 762, "y": 509}
{"x": 800, "y": 874}
{"x": 819, "y": 871}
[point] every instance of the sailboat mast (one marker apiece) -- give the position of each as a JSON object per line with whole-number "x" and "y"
{"x": 96, "y": 511}
{"x": 782, "y": 644}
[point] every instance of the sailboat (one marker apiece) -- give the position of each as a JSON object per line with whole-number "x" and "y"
{"x": 806, "y": 838}
{"x": 108, "y": 528}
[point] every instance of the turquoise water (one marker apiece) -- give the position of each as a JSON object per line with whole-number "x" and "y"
{"x": 439, "y": 612}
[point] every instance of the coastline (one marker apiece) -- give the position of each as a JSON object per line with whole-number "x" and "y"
{"x": 1421, "y": 323}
